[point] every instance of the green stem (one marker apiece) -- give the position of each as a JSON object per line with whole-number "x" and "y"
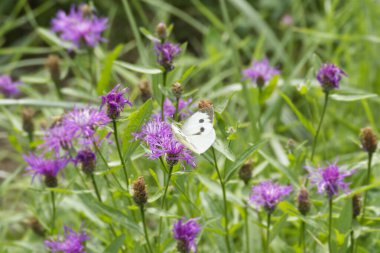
{"x": 119, "y": 152}
{"x": 164, "y": 75}
{"x": 330, "y": 223}
{"x": 96, "y": 187}
{"x": 222, "y": 183}
{"x": 302, "y": 236}
{"x": 176, "y": 114}
{"x": 268, "y": 232}
{"x": 90, "y": 62}
{"x": 145, "y": 228}
{"x": 367, "y": 183}
{"x": 53, "y": 212}
{"x": 352, "y": 240}
{"x": 319, "y": 125}
{"x": 246, "y": 228}
{"x": 167, "y": 186}
{"x": 105, "y": 163}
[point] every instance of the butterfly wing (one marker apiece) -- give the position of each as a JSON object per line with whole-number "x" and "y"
{"x": 197, "y": 133}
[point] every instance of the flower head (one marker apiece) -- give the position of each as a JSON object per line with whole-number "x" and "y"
{"x": 269, "y": 194}
{"x": 8, "y": 87}
{"x": 260, "y": 72}
{"x": 185, "y": 233}
{"x": 79, "y": 26}
{"x": 115, "y": 101}
{"x": 303, "y": 201}
{"x": 159, "y": 137}
{"x": 368, "y": 139}
{"x": 140, "y": 195}
{"x": 87, "y": 159}
{"x": 183, "y": 108}
{"x": 83, "y": 122}
{"x": 48, "y": 168}
{"x": 73, "y": 242}
{"x": 165, "y": 54}
{"x": 329, "y": 179}
{"x": 57, "y": 137}
{"x": 329, "y": 76}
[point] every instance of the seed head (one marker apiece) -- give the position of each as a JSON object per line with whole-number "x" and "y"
{"x": 177, "y": 90}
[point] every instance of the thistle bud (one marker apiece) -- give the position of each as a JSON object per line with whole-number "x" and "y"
{"x": 177, "y": 90}
{"x": 36, "y": 226}
{"x": 161, "y": 31}
{"x": 205, "y": 104}
{"x": 356, "y": 205}
{"x": 245, "y": 172}
{"x": 145, "y": 90}
{"x": 303, "y": 201}
{"x": 27, "y": 120}
{"x": 86, "y": 10}
{"x": 87, "y": 159}
{"x": 51, "y": 181}
{"x": 368, "y": 139}
{"x": 52, "y": 64}
{"x": 140, "y": 195}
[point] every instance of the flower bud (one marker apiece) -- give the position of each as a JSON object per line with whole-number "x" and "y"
{"x": 368, "y": 139}
{"x": 51, "y": 181}
{"x": 303, "y": 201}
{"x": 27, "y": 120}
{"x": 86, "y": 10}
{"x": 161, "y": 31}
{"x": 52, "y": 64}
{"x": 140, "y": 195}
{"x": 245, "y": 172}
{"x": 145, "y": 90}
{"x": 356, "y": 205}
{"x": 205, "y": 104}
{"x": 177, "y": 90}
{"x": 87, "y": 159}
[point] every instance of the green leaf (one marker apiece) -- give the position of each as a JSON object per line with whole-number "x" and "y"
{"x": 115, "y": 244}
{"x": 269, "y": 89}
{"x": 135, "y": 121}
{"x": 351, "y": 97}
{"x": 277, "y": 228}
{"x": 187, "y": 73}
{"x": 299, "y": 115}
{"x": 138, "y": 69}
{"x": 240, "y": 160}
{"x": 105, "y": 76}
{"x": 53, "y": 39}
{"x": 147, "y": 34}
{"x": 224, "y": 149}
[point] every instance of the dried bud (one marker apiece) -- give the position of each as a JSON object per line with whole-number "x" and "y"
{"x": 140, "y": 195}
{"x": 36, "y": 226}
{"x": 303, "y": 201}
{"x": 51, "y": 181}
{"x": 52, "y": 64}
{"x": 86, "y": 10}
{"x": 368, "y": 139}
{"x": 145, "y": 90}
{"x": 87, "y": 159}
{"x": 161, "y": 31}
{"x": 245, "y": 172}
{"x": 204, "y": 104}
{"x": 356, "y": 205}
{"x": 177, "y": 90}
{"x": 27, "y": 120}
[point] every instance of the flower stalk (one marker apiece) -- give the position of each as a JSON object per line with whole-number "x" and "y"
{"x": 330, "y": 223}
{"x": 53, "y": 212}
{"x": 319, "y": 125}
{"x": 269, "y": 215}
{"x": 119, "y": 152}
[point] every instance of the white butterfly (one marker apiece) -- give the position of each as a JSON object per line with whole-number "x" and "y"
{"x": 197, "y": 133}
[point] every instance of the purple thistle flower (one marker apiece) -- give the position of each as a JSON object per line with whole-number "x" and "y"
{"x": 185, "y": 233}
{"x": 165, "y": 54}
{"x": 184, "y": 111}
{"x": 48, "y": 168}
{"x": 79, "y": 26}
{"x": 269, "y": 194}
{"x": 57, "y": 137}
{"x": 159, "y": 137}
{"x": 73, "y": 242}
{"x": 83, "y": 122}
{"x": 8, "y": 87}
{"x": 328, "y": 180}
{"x": 329, "y": 76}
{"x": 260, "y": 72}
{"x": 115, "y": 101}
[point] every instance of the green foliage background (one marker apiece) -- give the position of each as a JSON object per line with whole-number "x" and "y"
{"x": 220, "y": 38}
